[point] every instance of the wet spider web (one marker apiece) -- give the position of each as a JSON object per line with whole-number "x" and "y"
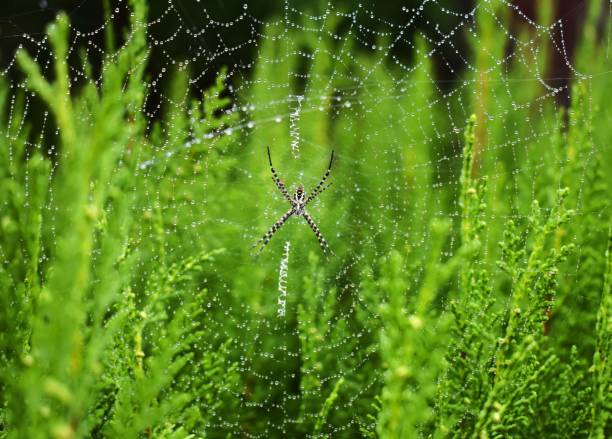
{"x": 391, "y": 96}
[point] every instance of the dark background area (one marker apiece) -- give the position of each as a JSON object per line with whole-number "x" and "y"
{"x": 30, "y": 17}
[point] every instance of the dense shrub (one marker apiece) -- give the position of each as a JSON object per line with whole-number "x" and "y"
{"x": 471, "y": 301}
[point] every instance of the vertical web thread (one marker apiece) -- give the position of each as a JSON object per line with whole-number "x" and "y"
{"x": 293, "y": 127}
{"x": 282, "y": 281}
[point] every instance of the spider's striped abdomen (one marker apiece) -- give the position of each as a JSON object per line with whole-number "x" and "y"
{"x": 299, "y": 201}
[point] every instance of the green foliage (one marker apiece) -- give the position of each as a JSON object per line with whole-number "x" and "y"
{"x": 471, "y": 301}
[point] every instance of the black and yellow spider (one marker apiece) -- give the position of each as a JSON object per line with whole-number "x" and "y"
{"x": 298, "y": 203}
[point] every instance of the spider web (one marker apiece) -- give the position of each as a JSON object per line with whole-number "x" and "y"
{"x": 391, "y": 97}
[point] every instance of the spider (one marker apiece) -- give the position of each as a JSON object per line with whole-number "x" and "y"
{"x": 298, "y": 203}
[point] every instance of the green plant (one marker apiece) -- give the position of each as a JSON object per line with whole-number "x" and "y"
{"x": 469, "y": 295}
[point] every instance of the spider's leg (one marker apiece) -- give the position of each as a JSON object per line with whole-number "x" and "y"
{"x": 277, "y": 225}
{"x": 277, "y": 181}
{"x": 320, "y": 188}
{"x": 322, "y": 242}
{"x": 324, "y": 187}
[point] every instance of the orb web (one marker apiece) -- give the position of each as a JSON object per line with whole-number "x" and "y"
{"x": 391, "y": 96}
